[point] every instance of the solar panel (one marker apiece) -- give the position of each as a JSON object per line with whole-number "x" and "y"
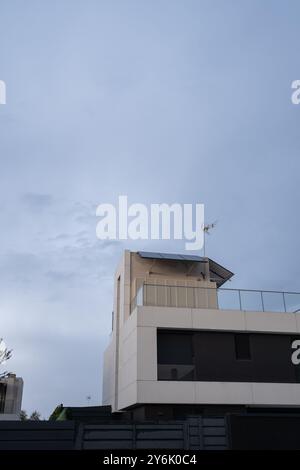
{"x": 149, "y": 254}
{"x": 170, "y": 256}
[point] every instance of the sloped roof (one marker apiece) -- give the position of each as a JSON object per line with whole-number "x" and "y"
{"x": 218, "y": 273}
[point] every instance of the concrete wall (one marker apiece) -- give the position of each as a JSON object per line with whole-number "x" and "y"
{"x": 13, "y": 397}
{"x": 120, "y": 358}
{"x": 138, "y": 359}
{"x": 118, "y": 368}
{"x": 214, "y": 319}
{"x": 168, "y": 273}
{"x": 149, "y": 390}
{"x": 9, "y": 417}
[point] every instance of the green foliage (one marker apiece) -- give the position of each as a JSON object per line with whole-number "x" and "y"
{"x": 23, "y": 415}
{"x": 35, "y": 416}
{"x": 56, "y": 413}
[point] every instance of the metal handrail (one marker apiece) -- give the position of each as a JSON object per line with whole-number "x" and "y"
{"x": 224, "y": 288}
{"x": 240, "y": 293}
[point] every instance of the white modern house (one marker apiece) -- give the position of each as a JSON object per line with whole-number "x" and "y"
{"x": 182, "y": 343}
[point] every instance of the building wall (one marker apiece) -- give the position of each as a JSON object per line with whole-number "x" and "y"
{"x": 149, "y": 390}
{"x": 121, "y": 367}
{"x": 130, "y": 361}
{"x": 13, "y": 397}
{"x": 159, "y": 274}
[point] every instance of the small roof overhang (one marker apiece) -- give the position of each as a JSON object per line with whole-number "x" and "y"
{"x": 218, "y": 273}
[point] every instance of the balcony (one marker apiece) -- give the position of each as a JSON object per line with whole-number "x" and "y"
{"x": 216, "y": 298}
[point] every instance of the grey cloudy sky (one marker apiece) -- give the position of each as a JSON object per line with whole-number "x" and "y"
{"x": 164, "y": 101}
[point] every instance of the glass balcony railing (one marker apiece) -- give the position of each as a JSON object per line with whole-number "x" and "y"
{"x": 224, "y": 299}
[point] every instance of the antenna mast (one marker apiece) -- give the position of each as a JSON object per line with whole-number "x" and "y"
{"x": 206, "y": 229}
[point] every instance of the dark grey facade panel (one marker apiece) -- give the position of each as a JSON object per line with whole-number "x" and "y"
{"x": 264, "y": 432}
{"x": 226, "y": 357}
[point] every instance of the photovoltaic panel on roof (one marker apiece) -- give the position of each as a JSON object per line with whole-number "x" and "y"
{"x": 170, "y": 256}
{"x": 149, "y": 254}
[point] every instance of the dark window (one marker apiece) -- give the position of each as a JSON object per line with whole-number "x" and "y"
{"x": 296, "y": 367}
{"x": 175, "y": 356}
{"x": 225, "y": 357}
{"x": 2, "y": 396}
{"x": 174, "y": 348}
{"x": 242, "y": 346}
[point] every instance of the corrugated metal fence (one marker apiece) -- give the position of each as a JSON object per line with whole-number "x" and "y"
{"x": 196, "y": 433}
{"x": 31, "y": 435}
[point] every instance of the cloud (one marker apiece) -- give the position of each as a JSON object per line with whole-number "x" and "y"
{"x": 36, "y": 201}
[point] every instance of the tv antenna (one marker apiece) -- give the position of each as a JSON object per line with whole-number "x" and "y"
{"x": 207, "y": 230}
{"x": 88, "y": 399}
